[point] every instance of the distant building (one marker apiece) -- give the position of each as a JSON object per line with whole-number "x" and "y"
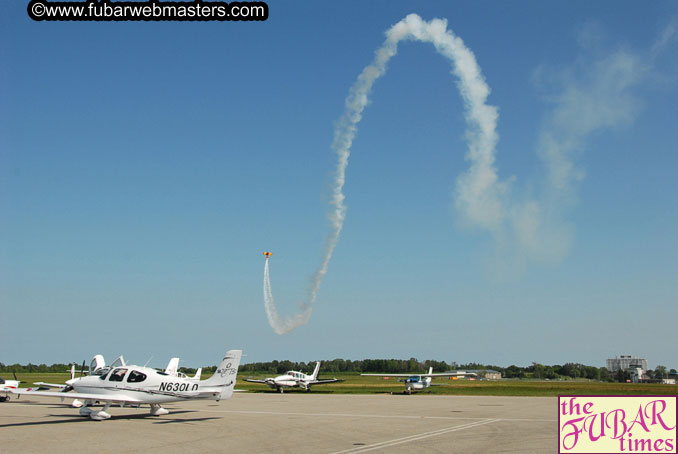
{"x": 625, "y": 362}
{"x": 486, "y": 374}
{"x": 637, "y": 375}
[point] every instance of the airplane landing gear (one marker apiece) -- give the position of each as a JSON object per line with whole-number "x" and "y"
{"x": 157, "y": 410}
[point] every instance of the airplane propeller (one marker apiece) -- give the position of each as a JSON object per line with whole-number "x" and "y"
{"x": 82, "y": 369}
{"x": 14, "y": 373}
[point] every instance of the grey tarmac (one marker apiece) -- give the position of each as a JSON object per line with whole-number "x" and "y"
{"x": 294, "y": 423}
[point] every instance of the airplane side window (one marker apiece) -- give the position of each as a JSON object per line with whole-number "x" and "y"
{"x": 117, "y": 375}
{"x": 103, "y": 376}
{"x": 136, "y": 377}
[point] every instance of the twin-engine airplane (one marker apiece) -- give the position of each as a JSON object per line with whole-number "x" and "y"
{"x": 417, "y": 381}
{"x": 137, "y": 385}
{"x": 294, "y": 379}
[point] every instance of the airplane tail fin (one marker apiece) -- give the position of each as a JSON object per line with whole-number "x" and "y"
{"x": 226, "y": 373}
{"x": 316, "y": 370}
{"x": 430, "y": 370}
{"x": 198, "y": 373}
{"x": 172, "y": 366}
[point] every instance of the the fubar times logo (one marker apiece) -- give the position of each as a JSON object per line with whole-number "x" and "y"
{"x": 617, "y": 424}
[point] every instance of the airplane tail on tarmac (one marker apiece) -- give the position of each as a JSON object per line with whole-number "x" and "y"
{"x": 226, "y": 373}
{"x": 315, "y": 371}
{"x": 172, "y": 366}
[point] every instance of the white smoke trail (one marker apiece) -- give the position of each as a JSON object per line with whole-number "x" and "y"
{"x": 530, "y": 229}
{"x": 479, "y": 191}
{"x": 279, "y": 325}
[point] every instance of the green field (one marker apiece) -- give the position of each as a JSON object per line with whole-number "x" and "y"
{"x": 355, "y": 384}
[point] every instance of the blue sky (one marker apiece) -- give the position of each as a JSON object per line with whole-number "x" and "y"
{"x": 144, "y": 167}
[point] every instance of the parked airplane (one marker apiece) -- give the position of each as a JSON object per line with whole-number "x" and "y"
{"x": 173, "y": 369}
{"x": 6, "y": 387}
{"x": 98, "y": 367}
{"x": 416, "y": 381}
{"x": 137, "y": 385}
{"x": 295, "y": 379}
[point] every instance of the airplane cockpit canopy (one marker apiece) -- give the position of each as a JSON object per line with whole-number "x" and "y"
{"x": 120, "y": 362}
{"x": 97, "y": 365}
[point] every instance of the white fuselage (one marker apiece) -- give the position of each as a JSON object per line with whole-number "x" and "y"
{"x": 417, "y": 382}
{"x": 144, "y": 384}
{"x": 291, "y": 379}
{"x": 9, "y": 384}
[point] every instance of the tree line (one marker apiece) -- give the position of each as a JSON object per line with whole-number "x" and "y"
{"x": 412, "y": 365}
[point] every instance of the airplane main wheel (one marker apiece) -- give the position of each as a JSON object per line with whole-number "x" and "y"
{"x": 4, "y": 398}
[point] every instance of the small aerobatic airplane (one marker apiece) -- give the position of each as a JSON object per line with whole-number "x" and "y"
{"x": 416, "y": 381}
{"x": 6, "y": 387}
{"x": 294, "y": 379}
{"x": 137, "y": 385}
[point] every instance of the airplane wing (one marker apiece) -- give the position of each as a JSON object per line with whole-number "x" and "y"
{"x": 393, "y": 375}
{"x": 82, "y": 396}
{"x": 251, "y": 380}
{"x": 454, "y": 374}
{"x": 49, "y": 385}
{"x": 325, "y": 380}
{"x": 117, "y": 397}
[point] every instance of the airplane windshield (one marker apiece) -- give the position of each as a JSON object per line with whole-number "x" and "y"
{"x": 103, "y": 371}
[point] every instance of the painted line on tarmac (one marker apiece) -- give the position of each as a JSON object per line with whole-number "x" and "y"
{"x": 359, "y": 415}
{"x": 398, "y": 441}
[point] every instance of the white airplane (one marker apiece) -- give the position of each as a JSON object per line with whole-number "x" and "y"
{"x": 416, "y": 381}
{"x": 294, "y": 379}
{"x": 137, "y": 385}
{"x": 98, "y": 367}
{"x": 6, "y": 387}
{"x": 173, "y": 369}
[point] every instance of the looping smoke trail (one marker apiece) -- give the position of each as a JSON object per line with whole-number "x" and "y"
{"x": 478, "y": 191}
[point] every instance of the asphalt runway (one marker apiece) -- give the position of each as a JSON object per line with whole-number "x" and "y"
{"x": 289, "y": 423}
